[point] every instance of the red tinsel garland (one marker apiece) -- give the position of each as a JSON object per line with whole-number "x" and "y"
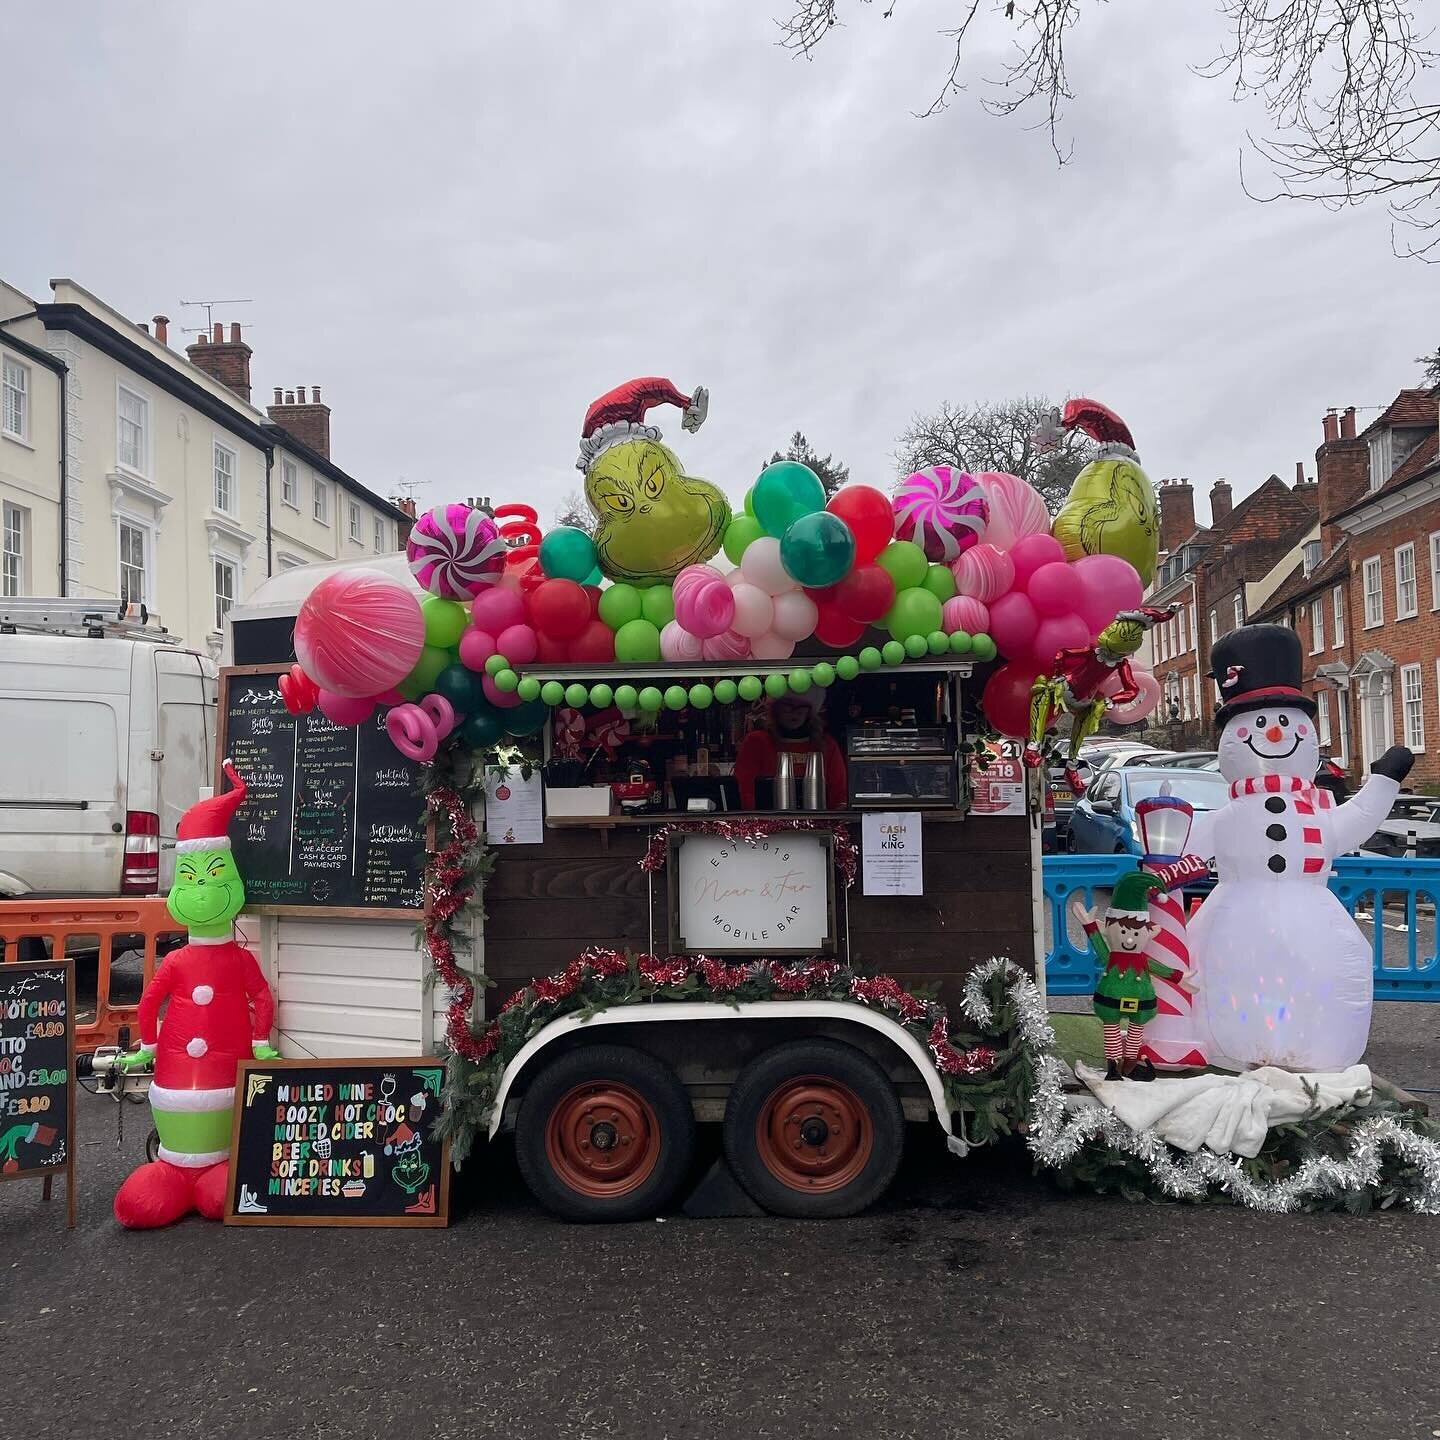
{"x": 751, "y": 831}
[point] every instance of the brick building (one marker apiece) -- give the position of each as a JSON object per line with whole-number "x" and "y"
{"x": 1365, "y": 598}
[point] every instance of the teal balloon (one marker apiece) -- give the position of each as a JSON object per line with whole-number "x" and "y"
{"x": 784, "y": 492}
{"x": 818, "y": 549}
{"x": 567, "y": 553}
{"x": 525, "y": 719}
{"x": 595, "y": 577}
{"x": 483, "y": 726}
{"x": 461, "y": 687}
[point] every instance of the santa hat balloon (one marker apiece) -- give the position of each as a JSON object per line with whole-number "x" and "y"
{"x": 619, "y": 415}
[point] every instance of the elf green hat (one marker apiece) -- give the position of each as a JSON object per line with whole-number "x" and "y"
{"x": 1132, "y": 893}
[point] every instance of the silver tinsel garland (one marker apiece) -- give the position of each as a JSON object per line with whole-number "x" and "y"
{"x": 1056, "y": 1137}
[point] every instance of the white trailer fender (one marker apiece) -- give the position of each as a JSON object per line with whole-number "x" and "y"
{"x": 669, "y": 1013}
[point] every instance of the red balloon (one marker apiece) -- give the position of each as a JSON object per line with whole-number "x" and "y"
{"x": 559, "y": 609}
{"x": 1006, "y": 699}
{"x": 594, "y": 645}
{"x": 869, "y": 515}
{"x": 823, "y": 596}
{"x": 551, "y": 652}
{"x": 837, "y": 629}
{"x": 593, "y": 591}
{"x": 866, "y": 593}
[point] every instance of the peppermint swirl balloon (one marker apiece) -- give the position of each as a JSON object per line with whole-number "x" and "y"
{"x": 456, "y": 551}
{"x": 942, "y": 510}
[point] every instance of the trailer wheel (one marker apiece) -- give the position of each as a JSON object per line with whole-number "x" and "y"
{"x": 605, "y": 1133}
{"x": 813, "y": 1128}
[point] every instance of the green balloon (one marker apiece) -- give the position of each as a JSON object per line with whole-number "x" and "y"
{"x": 576, "y": 695}
{"x": 495, "y": 664}
{"x": 461, "y": 687}
{"x": 784, "y": 492}
{"x": 619, "y": 605}
{"x": 892, "y": 652}
{"x": 657, "y": 605}
{"x": 750, "y": 688}
{"x": 847, "y": 667}
{"x": 800, "y": 681}
{"x": 726, "y": 691}
{"x": 627, "y": 697}
{"x": 983, "y": 646}
{"x": 637, "y": 642}
{"x": 870, "y": 658}
{"x": 650, "y": 698}
{"x": 525, "y": 719}
{"x": 677, "y": 697}
{"x": 482, "y": 727}
{"x": 960, "y": 642}
{"x": 427, "y": 669}
{"x": 740, "y": 534}
{"x": 938, "y": 642}
{"x": 915, "y": 612}
{"x": 602, "y": 697}
{"x": 823, "y": 673}
{"x": 818, "y": 549}
{"x": 552, "y": 692}
{"x": 906, "y": 563}
{"x": 507, "y": 682}
{"x": 528, "y": 688}
{"x": 940, "y": 582}
{"x": 750, "y": 502}
{"x": 916, "y": 646}
{"x": 567, "y": 553}
{"x": 776, "y": 686}
{"x": 445, "y": 621}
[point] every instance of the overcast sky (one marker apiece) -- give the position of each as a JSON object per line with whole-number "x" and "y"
{"x": 465, "y": 221}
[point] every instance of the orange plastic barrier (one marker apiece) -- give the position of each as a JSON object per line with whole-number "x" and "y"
{"x": 80, "y": 927}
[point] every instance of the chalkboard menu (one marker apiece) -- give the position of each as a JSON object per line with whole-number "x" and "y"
{"x": 338, "y": 1142}
{"x": 332, "y": 815}
{"x": 37, "y": 1065}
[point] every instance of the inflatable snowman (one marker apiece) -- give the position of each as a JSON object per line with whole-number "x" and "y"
{"x": 1284, "y": 972}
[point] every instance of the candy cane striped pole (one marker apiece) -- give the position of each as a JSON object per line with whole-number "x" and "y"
{"x": 1172, "y": 1038}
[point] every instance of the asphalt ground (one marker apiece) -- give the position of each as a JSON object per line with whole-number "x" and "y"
{"x": 975, "y": 1301}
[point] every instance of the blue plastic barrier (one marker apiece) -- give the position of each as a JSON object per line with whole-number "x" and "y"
{"x": 1402, "y": 893}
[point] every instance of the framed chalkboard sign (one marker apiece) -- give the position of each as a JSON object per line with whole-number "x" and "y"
{"x": 331, "y": 820}
{"x": 37, "y": 1073}
{"x": 338, "y": 1142}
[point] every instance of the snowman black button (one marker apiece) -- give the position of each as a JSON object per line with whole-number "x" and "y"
{"x": 1277, "y": 863}
{"x": 1275, "y": 832}
{"x": 1275, "y": 805}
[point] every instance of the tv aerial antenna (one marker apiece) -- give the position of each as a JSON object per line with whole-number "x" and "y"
{"x": 209, "y": 307}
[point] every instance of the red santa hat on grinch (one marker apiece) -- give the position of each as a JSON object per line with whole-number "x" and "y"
{"x": 205, "y": 825}
{"x": 619, "y": 415}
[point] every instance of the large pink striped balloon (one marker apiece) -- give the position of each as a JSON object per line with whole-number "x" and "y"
{"x": 455, "y": 551}
{"x": 1016, "y": 509}
{"x": 942, "y": 510}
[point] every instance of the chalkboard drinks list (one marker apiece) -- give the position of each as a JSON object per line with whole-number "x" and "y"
{"x": 332, "y": 814}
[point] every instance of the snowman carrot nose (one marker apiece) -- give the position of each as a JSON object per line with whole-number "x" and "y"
{"x": 1274, "y": 734}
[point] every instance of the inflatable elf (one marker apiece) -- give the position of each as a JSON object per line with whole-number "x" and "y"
{"x": 1125, "y": 993}
{"x": 219, "y": 1013}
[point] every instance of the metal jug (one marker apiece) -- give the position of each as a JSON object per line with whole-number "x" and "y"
{"x": 785, "y": 781}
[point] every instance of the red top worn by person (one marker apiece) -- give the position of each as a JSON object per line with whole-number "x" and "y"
{"x": 792, "y": 724}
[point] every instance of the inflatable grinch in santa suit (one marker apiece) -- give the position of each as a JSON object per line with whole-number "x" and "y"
{"x": 220, "y": 1011}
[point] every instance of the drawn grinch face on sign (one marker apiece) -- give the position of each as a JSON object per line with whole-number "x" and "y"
{"x": 207, "y": 893}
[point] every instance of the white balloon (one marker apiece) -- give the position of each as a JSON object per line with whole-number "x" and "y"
{"x": 796, "y": 615}
{"x": 763, "y": 569}
{"x": 771, "y": 646}
{"x": 754, "y": 611}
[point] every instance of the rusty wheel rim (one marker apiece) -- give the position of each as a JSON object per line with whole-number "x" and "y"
{"x": 814, "y": 1134}
{"x": 603, "y": 1139}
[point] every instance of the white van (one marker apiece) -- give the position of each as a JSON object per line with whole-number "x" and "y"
{"x": 107, "y": 735}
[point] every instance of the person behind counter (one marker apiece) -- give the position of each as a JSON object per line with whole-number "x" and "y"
{"x": 792, "y": 723}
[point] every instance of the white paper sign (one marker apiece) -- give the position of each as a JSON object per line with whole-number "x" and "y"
{"x": 762, "y": 899}
{"x": 514, "y": 814}
{"x": 893, "y": 854}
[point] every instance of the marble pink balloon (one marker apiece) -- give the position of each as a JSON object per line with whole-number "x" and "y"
{"x": 677, "y": 644}
{"x": 728, "y": 646}
{"x": 693, "y": 575}
{"x": 984, "y": 572}
{"x": 964, "y": 612}
{"x": 1016, "y": 509}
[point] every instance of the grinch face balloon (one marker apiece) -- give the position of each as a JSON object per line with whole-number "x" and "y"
{"x": 654, "y": 519}
{"x": 208, "y": 893}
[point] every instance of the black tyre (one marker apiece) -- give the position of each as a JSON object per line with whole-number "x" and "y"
{"x": 605, "y": 1133}
{"x": 813, "y": 1129}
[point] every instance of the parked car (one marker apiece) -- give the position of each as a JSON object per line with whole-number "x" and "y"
{"x": 1104, "y": 822}
{"x": 1425, "y": 808}
{"x": 108, "y": 736}
{"x": 1182, "y": 759}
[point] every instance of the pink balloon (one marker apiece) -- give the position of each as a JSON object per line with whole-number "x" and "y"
{"x": 762, "y": 568}
{"x": 754, "y": 609}
{"x": 359, "y": 633}
{"x": 693, "y": 575}
{"x": 678, "y": 644}
{"x": 412, "y": 732}
{"x": 1059, "y": 632}
{"x": 497, "y": 608}
{"x": 1030, "y": 552}
{"x": 771, "y": 646}
{"x": 476, "y": 647}
{"x": 496, "y": 696}
{"x": 441, "y": 712}
{"x": 728, "y": 646}
{"x": 963, "y": 612}
{"x": 517, "y": 643}
{"x": 1109, "y": 585}
{"x": 344, "y": 709}
{"x": 705, "y": 604}
{"x": 1016, "y": 510}
{"x": 1142, "y": 705}
{"x": 1013, "y": 623}
{"x": 984, "y": 572}
{"x": 795, "y": 615}
{"x": 1055, "y": 589}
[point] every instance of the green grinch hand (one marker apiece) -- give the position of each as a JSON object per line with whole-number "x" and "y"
{"x": 141, "y": 1059}
{"x": 264, "y": 1050}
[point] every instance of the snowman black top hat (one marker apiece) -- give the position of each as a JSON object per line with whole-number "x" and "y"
{"x": 1256, "y": 666}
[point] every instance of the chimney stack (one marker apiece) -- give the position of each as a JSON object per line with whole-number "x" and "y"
{"x": 1347, "y": 423}
{"x": 1299, "y": 472}
{"x": 1177, "y": 514}
{"x": 308, "y": 421}
{"x": 1342, "y": 473}
{"x": 225, "y": 361}
{"x": 162, "y": 330}
{"x": 1220, "y": 502}
{"x": 1332, "y": 427}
